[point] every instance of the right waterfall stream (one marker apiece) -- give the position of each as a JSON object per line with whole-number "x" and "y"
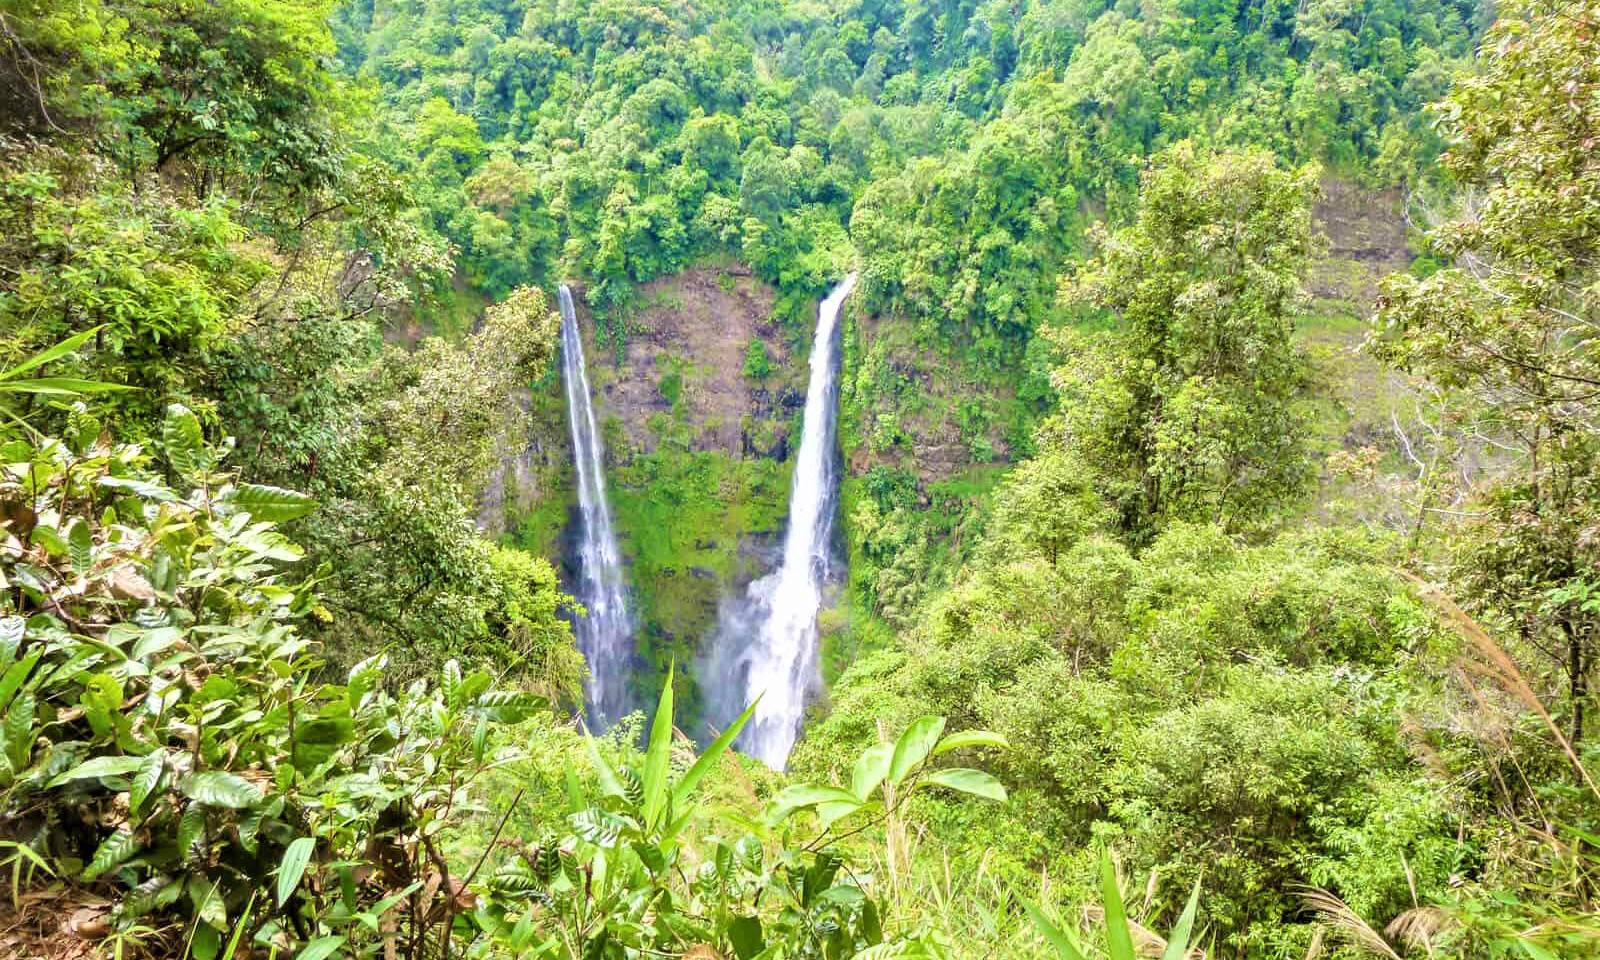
{"x": 768, "y": 648}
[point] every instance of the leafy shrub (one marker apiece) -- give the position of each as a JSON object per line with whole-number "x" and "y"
{"x": 166, "y": 734}
{"x": 757, "y": 365}
{"x": 627, "y": 879}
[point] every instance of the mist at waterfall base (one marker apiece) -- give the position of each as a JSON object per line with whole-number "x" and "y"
{"x": 605, "y": 635}
{"x": 766, "y": 643}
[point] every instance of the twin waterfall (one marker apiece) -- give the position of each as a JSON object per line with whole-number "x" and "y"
{"x": 767, "y": 645}
{"x": 769, "y": 648}
{"x": 605, "y": 636}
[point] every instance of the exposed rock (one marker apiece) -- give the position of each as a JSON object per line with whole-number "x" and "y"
{"x": 922, "y": 411}
{"x": 1365, "y": 232}
{"x": 684, "y": 358}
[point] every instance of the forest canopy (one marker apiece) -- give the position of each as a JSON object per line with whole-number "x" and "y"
{"x": 1215, "y": 566}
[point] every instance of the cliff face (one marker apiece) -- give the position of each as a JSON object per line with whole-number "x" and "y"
{"x": 697, "y": 410}
{"x": 680, "y": 379}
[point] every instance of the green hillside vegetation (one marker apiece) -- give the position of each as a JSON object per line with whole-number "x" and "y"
{"x": 1205, "y": 597}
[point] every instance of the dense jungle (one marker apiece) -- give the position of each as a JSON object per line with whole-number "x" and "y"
{"x": 796, "y": 480}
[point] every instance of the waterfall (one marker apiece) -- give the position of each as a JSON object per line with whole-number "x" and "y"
{"x": 605, "y": 636}
{"x": 768, "y": 647}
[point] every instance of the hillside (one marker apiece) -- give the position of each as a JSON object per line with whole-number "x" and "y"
{"x": 758, "y": 480}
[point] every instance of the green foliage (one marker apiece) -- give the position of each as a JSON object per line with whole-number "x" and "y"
{"x": 12, "y": 380}
{"x": 1119, "y": 931}
{"x": 1500, "y": 324}
{"x": 193, "y": 205}
{"x": 1204, "y": 705}
{"x": 400, "y": 465}
{"x": 628, "y": 876}
{"x": 683, "y": 513}
{"x": 622, "y": 143}
{"x": 154, "y": 673}
{"x": 757, "y": 365}
{"x": 1189, "y": 410}
{"x": 211, "y": 91}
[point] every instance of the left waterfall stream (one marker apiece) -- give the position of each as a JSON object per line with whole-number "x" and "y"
{"x": 605, "y": 634}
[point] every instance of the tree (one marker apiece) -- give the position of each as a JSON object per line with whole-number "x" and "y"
{"x": 1513, "y": 319}
{"x": 1190, "y": 407}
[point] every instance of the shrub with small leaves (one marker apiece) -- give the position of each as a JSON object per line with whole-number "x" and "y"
{"x": 166, "y": 734}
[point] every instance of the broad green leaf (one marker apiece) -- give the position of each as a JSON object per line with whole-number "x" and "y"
{"x": 472, "y": 684}
{"x": 870, "y": 769}
{"x": 656, "y": 756}
{"x": 155, "y": 892}
{"x": 191, "y": 830}
{"x": 805, "y": 795}
{"x": 51, "y": 539}
{"x": 975, "y": 782}
{"x": 80, "y": 543}
{"x": 450, "y": 679}
{"x": 913, "y": 746}
{"x": 98, "y": 767}
{"x": 113, "y": 850}
{"x": 272, "y": 504}
{"x": 182, "y": 440}
{"x": 294, "y": 866}
{"x": 508, "y": 706}
{"x": 319, "y": 948}
{"x": 48, "y": 354}
{"x": 141, "y": 488}
{"x": 834, "y": 811}
{"x": 1119, "y": 939}
{"x": 17, "y": 674}
{"x": 1178, "y": 946}
{"x": 745, "y": 935}
{"x": 159, "y": 640}
{"x": 598, "y": 826}
{"x": 363, "y": 679}
{"x": 218, "y": 789}
{"x": 610, "y": 785}
{"x": 1534, "y": 951}
{"x": 845, "y": 894}
{"x": 146, "y": 779}
{"x": 1065, "y": 946}
{"x": 11, "y": 630}
{"x": 206, "y": 941}
{"x": 577, "y": 797}
{"x": 60, "y": 386}
{"x": 19, "y": 730}
{"x": 708, "y": 759}
{"x": 970, "y": 738}
{"x": 208, "y": 903}
{"x": 101, "y": 700}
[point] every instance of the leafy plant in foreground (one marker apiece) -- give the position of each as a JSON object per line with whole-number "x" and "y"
{"x": 1121, "y": 932}
{"x": 626, "y": 880}
{"x": 13, "y": 383}
{"x": 166, "y": 738}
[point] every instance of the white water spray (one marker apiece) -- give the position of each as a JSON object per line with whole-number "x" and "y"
{"x": 605, "y": 636}
{"x": 779, "y": 662}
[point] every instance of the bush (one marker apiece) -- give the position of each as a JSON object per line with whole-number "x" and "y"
{"x": 757, "y": 365}
{"x": 167, "y": 737}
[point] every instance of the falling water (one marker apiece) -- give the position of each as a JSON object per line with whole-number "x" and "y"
{"x": 605, "y": 635}
{"x": 768, "y": 648}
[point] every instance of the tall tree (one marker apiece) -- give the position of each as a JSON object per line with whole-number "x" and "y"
{"x": 1515, "y": 318}
{"x": 1190, "y": 408}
